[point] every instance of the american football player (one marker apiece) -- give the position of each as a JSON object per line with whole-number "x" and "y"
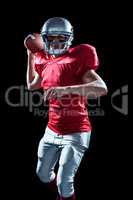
{"x": 68, "y": 78}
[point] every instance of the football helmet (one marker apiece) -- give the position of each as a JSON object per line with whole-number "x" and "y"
{"x": 57, "y": 34}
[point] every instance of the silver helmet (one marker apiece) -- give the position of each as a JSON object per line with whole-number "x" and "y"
{"x": 62, "y": 32}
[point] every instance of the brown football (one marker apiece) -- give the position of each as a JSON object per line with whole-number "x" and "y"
{"x": 34, "y": 42}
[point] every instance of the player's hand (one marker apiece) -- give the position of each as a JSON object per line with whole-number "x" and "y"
{"x": 30, "y": 36}
{"x": 34, "y": 42}
{"x": 55, "y": 92}
{"x": 48, "y": 94}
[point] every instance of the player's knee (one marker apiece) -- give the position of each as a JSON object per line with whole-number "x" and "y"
{"x": 42, "y": 175}
{"x": 39, "y": 174}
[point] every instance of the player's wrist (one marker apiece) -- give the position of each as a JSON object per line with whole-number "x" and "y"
{"x": 31, "y": 57}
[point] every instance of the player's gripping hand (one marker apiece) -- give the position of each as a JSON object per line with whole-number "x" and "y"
{"x": 34, "y": 42}
{"x": 56, "y": 92}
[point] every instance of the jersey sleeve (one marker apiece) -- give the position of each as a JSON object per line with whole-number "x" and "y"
{"x": 88, "y": 59}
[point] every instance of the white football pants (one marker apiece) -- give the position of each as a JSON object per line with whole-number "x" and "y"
{"x": 69, "y": 150}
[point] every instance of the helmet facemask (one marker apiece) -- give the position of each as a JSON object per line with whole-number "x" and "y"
{"x": 56, "y": 44}
{"x": 57, "y": 34}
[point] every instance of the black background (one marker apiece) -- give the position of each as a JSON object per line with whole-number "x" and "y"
{"x": 102, "y": 171}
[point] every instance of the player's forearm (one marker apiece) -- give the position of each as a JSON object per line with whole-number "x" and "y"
{"x": 95, "y": 88}
{"x": 30, "y": 69}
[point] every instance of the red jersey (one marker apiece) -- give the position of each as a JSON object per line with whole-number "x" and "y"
{"x": 68, "y": 114}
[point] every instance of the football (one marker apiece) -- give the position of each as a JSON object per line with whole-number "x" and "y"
{"x": 34, "y": 42}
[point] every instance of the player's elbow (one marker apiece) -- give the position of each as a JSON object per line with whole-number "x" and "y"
{"x": 106, "y": 90}
{"x": 103, "y": 87}
{"x": 31, "y": 87}
{"x": 103, "y": 90}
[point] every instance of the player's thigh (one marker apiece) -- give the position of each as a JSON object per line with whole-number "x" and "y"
{"x": 70, "y": 160}
{"x": 45, "y": 148}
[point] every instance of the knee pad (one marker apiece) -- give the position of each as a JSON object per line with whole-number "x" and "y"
{"x": 45, "y": 178}
{"x": 43, "y": 175}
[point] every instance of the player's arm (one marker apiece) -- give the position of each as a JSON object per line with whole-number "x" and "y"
{"x": 32, "y": 77}
{"x": 93, "y": 85}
